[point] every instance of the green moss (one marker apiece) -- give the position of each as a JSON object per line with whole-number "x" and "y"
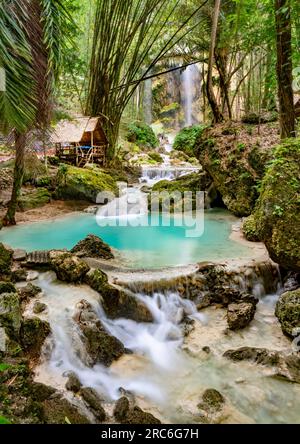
{"x": 250, "y": 229}
{"x": 4, "y": 420}
{"x": 156, "y": 157}
{"x": 278, "y": 209}
{"x": 7, "y": 287}
{"x": 5, "y": 261}
{"x": 186, "y": 138}
{"x": 288, "y": 312}
{"x": 142, "y": 135}
{"x": 34, "y": 199}
{"x": 84, "y": 183}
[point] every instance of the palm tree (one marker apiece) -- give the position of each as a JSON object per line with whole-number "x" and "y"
{"x": 31, "y": 43}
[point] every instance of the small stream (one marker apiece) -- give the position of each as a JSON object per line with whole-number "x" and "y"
{"x": 167, "y": 371}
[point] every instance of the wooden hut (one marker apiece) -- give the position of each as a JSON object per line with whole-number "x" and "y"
{"x": 80, "y": 141}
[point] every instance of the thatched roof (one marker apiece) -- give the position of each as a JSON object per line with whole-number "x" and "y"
{"x": 74, "y": 130}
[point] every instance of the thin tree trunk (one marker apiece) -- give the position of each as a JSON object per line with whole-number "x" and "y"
{"x": 218, "y": 117}
{"x": 284, "y": 68}
{"x": 20, "y": 144}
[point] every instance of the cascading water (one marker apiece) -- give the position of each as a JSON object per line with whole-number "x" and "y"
{"x": 148, "y": 101}
{"x": 190, "y": 78}
{"x": 167, "y": 372}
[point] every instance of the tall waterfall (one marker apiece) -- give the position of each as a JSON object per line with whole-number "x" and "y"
{"x": 148, "y": 101}
{"x": 190, "y": 83}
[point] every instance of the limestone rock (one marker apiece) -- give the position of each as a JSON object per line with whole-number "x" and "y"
{"x": 10, "y": 314}
{"x": 240, "y": 315}
{"x": 68, "y": 268}
{"x": 101, "y": 346}
{"x": 288, "y": 312}
{"x": 93, "y": 246}
{"x": 94, "y": 402}
{"x": 33, "y": 334}
{"x": 73, "y": 384}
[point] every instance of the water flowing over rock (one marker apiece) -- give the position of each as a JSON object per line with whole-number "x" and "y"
{"x": 101, "y": 346}
{"x": 94, "y": 247}
{"x": 288, "y": 312}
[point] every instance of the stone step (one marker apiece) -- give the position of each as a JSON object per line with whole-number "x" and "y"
{"x": 38, "y": 257}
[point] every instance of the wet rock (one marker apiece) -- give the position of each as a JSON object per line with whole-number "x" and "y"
{"x": 40, "y": 392}
{"x": 127, "y": 413}
{"x": 7, "y": 287}
{"x": 261, "y": 356}
{"x": 117, "y": 303}
{"x": 33, "y": 334}
{"x": 6, "y": 259}
{"x": 286, "y": 366}
{"x": 121, "y": 409}
{"x": 94, "y": 402}
{"x": 68, "y": 268}
{"x": 101, "y": 346}
{"x": 19, "y": 275}
{"x": 73, "y": 384}
{"x": 94, "y": 247}
{"x": 212, "y": 400}
{"x": 10, "y": 314}
{"x": 39, "y": 307}
{"x": 19, "y": 255}
{"x": 61, "y": 411}
{"x": 206, "y": 349}
{"x": 240, "y": 315}
{"x": 32, "y": 275}
{"x": 28, "y": 291}
{"x": 288, "y": 312}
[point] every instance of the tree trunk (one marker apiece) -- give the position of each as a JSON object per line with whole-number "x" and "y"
{"x": 217, "y": 114}
{"x": 284, "y": 68}
{"x": 222, "y": 62}
{"x": 20, "y": 144}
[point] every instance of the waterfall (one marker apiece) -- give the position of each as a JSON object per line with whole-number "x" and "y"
{"x": 148, "y": 101}
{"x": 191, "y": 83}
{"x": 152, "y": 175}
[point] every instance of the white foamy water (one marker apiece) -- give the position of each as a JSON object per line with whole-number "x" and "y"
{"x": 166, "y": 371}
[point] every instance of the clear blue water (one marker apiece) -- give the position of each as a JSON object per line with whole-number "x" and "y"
{"x": 141, "y": 246}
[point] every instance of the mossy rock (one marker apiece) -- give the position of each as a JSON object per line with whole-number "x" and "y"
{"x": 61, "y": 411}
{"x": 250, "y": 229}
{"x": 34, "y": 199}
{"x": 10, "y": 314}
{"x": 288, "y": 312}
{"x": 277, "y": 213}
{"x": 93, "y": 246}
{"x": 6, "y": 259}
{"x": 156, "y": 157}
{"x": 68, "y": 268}
{"x": 7, "y": 287}
{"x": 84, "y": 184}
{"x": 33, "y": 334}
{"x": 236, "y": 162}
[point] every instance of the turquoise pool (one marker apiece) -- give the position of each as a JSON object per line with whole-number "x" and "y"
{"x": 141, "y": 246}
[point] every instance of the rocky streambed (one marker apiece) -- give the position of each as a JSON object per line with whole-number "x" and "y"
{"x": 200, "y": 346}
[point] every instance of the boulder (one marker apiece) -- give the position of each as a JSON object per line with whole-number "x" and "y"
{"x": 10, "y": 314}
{"x": 285, "y": 366}
{"x": 101, "y": 346}
{"x": 288, "y": 312}
{"x": 28, "y": 291}
{"x": 212, "y": 400}
{"x": 68, "y": 268}
{"x": 126, "y": 413}
{"x": 84, "y": 184}
{"x": 73, "y": 384}
{"x": 34, "y": 199}
{"x": 40, "y": 392}
{"x": 93, "y": 246}
{"x": 39, "y": 307}
{"x": 34, "y": 331}
{"x": 58, "y": 410}
{"x": 94, "y": 402}
{"x": 277, "y": 213}
{"x": 240, "y": 315}
{"x": 19, "y": 275}
{"x": 236, "y": 161}
{"x": 117, "y": 302}
{"x": 6, "y": 259}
